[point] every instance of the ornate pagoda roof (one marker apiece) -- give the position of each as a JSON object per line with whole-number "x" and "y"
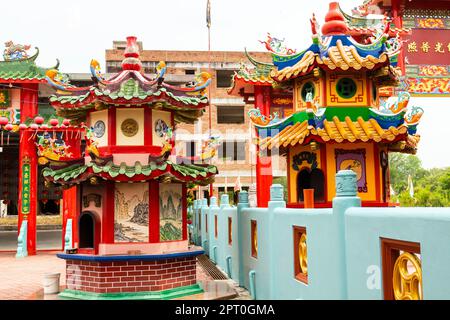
{"x": 18, "y": 66}
{"x": 341, "y": 131}
{"x": 247, "y": 78}
{"x": 61, "y": 168}
{"x": 163, "y": 170}
{"x": 130, "y": 87}
{"x": 394, "y": 125}
{"x": 344, "y": 43}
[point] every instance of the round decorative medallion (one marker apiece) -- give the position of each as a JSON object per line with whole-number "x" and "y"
{"x": 160, "y": 127}
{"x": 99, "y": 129}
{"x": 129, "y": 127}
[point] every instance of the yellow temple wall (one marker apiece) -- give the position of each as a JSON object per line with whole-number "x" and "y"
{"x": 130, "y": 113}
{"x": 370, "y": 174}
{"x": 100, "y": 116}
{"x": 164, "y": 116}
{"x": 299, "y": 104}
{"x": 360, "y": 99}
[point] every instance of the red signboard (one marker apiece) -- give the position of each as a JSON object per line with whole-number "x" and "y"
{"x": 428, "y": 47}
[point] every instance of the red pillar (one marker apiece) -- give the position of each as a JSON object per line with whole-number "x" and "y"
{"x": 153, "y": 211}
{"x": 184, "y": 213}
{"x": 71, "y": 197}
{"x": 108, "y": 214}
{"x": 28, "y": 180}
{"x": 398, "y": 22}
{"x": 71, "y": 210}
{"x": 263, "y": 162}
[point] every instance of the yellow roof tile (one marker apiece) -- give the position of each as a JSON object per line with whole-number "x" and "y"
{"x": 339, "y": 131}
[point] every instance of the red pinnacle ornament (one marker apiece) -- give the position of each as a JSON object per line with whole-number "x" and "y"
{"x": 131, "y": 61}
{"x": 334, "y": 21}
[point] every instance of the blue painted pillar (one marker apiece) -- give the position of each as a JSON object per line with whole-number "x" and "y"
{"x": 22, "y": 250}
{"x": 213, "y": 210}
{"x": 68, "y": 241}
{"x": 204, "y": 235}
{"x": 238, "y": 250}
{"x": 276, "y": 201}
{"x": 346, "y": 197}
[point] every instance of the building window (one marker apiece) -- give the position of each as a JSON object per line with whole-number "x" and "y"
{"x": 215, "y": 226}
{"x": 308, "y": 88}
{"x": 300, "y": 255}
{"x": 223, "y": 78}
{"x": 189, "y": 71}
{"x": 346, "y": 88}
{"x": 190, "y": 148}
{"x": 230, "y": 231}
{"x": 206, "y": 224}
{"x": 232, "y": 150}
{"x": 402, "y": 270}
{"x": 230, "y": 114}
{"x": 254, "y": 238}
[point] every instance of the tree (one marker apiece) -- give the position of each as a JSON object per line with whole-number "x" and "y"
{"x": 431, "y": 187}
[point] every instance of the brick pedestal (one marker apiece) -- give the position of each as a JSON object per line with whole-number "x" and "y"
{"x": 128, "y": 275}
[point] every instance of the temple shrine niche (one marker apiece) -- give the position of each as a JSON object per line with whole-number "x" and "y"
{"x": 129, "y": 184}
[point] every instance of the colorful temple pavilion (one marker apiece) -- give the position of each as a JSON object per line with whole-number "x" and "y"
{"x": 21, "y": 80}
{"x": 129, "y": 188}
{"x": 340, "y": 119}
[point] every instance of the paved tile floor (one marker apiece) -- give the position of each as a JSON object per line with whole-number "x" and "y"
{"x": 23, "y": 278}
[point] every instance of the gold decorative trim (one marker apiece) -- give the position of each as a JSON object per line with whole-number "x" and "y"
{"x": 407, "y": 277}
{"x": 129, "y": 127}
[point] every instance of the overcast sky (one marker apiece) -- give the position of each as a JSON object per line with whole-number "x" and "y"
{"x": 77, "y": 31}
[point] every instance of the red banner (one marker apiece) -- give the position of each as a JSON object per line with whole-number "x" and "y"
{"x": 428, "y": 47}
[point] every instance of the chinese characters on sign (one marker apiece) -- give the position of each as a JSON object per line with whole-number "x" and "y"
{"x": 428, "y": 47}
{"x": 26, "y": 187}
{"x": 425, "y": 47}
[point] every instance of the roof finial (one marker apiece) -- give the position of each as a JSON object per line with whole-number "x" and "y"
{"x": 334, "y": 21}
{"x": 131, "y": 61}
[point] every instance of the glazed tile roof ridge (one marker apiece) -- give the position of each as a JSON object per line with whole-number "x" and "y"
{"x": 112, "y": 171}
{"x": 338, "y": 131}
{"x": 24, "y": 69}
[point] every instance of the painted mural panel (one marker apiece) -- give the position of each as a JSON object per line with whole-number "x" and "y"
{"x": 353, "y": 160}
{"x": 131, "y": 212}
{"x": 170, "y": 211}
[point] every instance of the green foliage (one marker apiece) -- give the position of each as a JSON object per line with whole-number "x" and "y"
{"x": 431, "y": 187}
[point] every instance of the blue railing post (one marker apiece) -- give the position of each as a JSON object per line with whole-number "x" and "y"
{"x": 213, "y": 209}
{"x": 238, "y": 250}
{"x": 346, "y": 197}
{"x": 228, "y": 261}
{"x": 203, "y": 210}
{"x": 68, "y": 241}
{"x": 276, "y": 201}
{"x": 22, "y": 251}
{"x": 252, "y": 281}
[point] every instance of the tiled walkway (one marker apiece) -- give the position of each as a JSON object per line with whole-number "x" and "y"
{"x": 22, "y": 278}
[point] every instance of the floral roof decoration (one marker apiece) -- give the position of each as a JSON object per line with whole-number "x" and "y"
{"x": 130, "y": 87}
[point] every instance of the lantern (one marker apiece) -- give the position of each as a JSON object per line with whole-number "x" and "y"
{"x": 38, "y": 120}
